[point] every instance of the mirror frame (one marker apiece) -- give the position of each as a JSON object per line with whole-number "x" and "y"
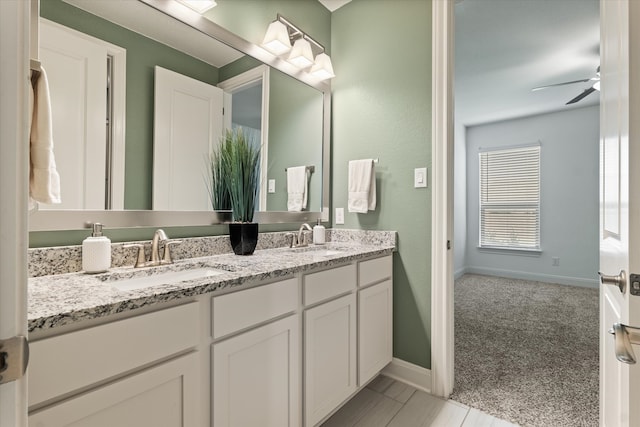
{"x": 55, "y": 220}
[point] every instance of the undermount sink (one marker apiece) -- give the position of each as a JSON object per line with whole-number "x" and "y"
{"x": 169, "y": 277}
{"x": 316, "y": 251}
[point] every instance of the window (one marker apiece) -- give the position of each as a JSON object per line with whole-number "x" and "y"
{"x": 510, "y": 198}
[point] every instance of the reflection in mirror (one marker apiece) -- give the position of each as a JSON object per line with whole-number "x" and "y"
{"x": 125, "y": 166}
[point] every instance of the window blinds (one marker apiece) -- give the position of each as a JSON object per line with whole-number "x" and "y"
{"x": 510, "y": 198}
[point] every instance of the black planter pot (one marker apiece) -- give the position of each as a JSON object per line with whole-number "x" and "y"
{"x": 244, "y": 237}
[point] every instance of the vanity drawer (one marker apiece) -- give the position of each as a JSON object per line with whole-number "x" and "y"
{"x": 75, "y": 360}
{"x": 375, "y": 270}
{"x": 327, "y": 284}
{"x": 245, "y": 308}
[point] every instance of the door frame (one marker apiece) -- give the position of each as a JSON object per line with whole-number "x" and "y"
{"x": 14, "y": 80}
{"x": 442, "y": 334}
{"x": 240, "y": 82}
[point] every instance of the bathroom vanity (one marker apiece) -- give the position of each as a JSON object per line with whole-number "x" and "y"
{"x": 280, "y": 338}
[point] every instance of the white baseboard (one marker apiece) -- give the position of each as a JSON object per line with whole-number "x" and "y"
{"x": 408, "y": 373}
{"x": 540, "y": 277}
{"x": 459, "y": 273}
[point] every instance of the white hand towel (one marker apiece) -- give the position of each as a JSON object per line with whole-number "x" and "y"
{"x": 44, "y": 181}
{"x": 362, "y": 186}
{"x": 297, "y": 188}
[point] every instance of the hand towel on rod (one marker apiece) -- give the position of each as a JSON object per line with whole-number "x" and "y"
{"x": 44, "y": 181}
{"x": 362, "y": 186}
{"x": 297, "y": 182}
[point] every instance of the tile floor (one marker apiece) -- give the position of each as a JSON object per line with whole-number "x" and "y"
{"x": 389, "y": 403}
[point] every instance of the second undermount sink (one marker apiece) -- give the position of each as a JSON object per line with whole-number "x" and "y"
{"x": 166, "y": 278}
{"x": 317, "y": 251}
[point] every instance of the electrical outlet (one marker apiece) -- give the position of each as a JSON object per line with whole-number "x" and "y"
{"x": 271, "y": 188}
{"x": 339, "y": 215}
{"x": 555, "y": 261}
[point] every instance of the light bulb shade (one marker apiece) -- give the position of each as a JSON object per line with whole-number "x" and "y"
{"x": 301, "y": 55}
{"x": 276, "y": 40}
{"x": 199, "y": 6}
{"x": 322, "y": 68}
{"x": 596, "y": 85}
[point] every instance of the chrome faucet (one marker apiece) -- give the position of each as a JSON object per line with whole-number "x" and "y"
{"x": 159, "y": 237}
{"x": 299, "y": 240}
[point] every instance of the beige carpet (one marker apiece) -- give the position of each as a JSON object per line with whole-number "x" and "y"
{"x": 527, "y": 351}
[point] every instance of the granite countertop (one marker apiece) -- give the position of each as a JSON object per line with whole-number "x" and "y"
{"x": 63, "y": 299}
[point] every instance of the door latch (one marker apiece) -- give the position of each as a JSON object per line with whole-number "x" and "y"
{"x": 634, "y": 284}
{"x": 14, "y": 357}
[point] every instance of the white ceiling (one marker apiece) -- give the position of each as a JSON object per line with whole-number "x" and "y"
{"x": 333, "y": 4}
{"x": 504, "y": 48}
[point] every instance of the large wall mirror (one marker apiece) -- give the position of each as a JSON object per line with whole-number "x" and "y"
{"x": 143, "y": 89}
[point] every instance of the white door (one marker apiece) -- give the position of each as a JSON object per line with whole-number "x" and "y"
{"x": 619, "y": 204}
{"x": 77, "y": 73}
{"x": 187, "y": 123}
{"x": 14, "y": 21}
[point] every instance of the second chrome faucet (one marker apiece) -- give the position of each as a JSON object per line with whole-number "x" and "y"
{"x": 159, "y": 237}
{"x": 300, "y": 240}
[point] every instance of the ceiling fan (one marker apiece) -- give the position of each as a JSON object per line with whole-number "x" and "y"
{"x": 593, "y": 88}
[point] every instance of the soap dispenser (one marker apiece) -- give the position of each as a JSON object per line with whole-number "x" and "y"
{"x": 318, "y": 233}
{"x": 96, "y": 251}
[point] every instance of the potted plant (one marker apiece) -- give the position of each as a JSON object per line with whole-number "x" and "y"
{"x": 237, "y": 165}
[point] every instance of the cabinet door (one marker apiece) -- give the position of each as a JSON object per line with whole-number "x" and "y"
{"x": 375, "y": 339}
{"x": 256, "y": 377}
{"x": 330, "y": 356}
{"x": 165, "y": 395}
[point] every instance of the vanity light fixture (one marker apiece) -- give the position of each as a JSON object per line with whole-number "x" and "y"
{"x": 280, "y": 35}
{"x": 200, "y": 6}
{"x": 277, "y": 39}
{"x": 322, "y": 67}
{"x": 301, "y": 55}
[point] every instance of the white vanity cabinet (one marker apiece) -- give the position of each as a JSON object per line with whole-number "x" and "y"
{"x": 329, "y": 340}
{"x": 256, "y": 370}
{"x": 133, "y": 372}
{"x": 375, "y": 317}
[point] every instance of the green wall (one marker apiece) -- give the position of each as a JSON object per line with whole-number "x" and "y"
{"x": 295, "y": 137}
{"x": 250, "y": 18}
{"x": 381, "y": 52}
{"x": 143, "y": 54}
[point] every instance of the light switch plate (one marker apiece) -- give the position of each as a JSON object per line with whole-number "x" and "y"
{"x": 339, "y": 215}
{"x": 420, "y": 178}
{"x": 272, "y": 186}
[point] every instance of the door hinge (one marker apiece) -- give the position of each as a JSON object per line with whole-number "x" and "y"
{"x": 14, "y": 357}
{"x": 448, "y": 244}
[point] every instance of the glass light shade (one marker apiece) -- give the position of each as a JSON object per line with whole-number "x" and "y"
{"x": 596, "y": 85}
{"x": 276, "y": 40}
{"x": 199, "y": 6}
{"x": 322, "y": 68}
{"x": 301, "y": 55}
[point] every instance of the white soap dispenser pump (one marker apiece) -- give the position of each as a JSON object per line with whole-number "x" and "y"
{"x": 96, "y": 251}
{"x": 318, "y": 233}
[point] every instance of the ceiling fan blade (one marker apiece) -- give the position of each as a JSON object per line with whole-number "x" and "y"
{"x": 582, "y": 95}
{"x": 560, "y": 84}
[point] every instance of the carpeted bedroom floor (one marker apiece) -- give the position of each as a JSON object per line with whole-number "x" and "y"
{"x": 527, "y": 352}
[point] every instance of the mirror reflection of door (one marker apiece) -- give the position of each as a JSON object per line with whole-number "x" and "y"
{"x": 187, "y": 123}
{"x": 80, "y": 70}
{"x": 246, "y": 106}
